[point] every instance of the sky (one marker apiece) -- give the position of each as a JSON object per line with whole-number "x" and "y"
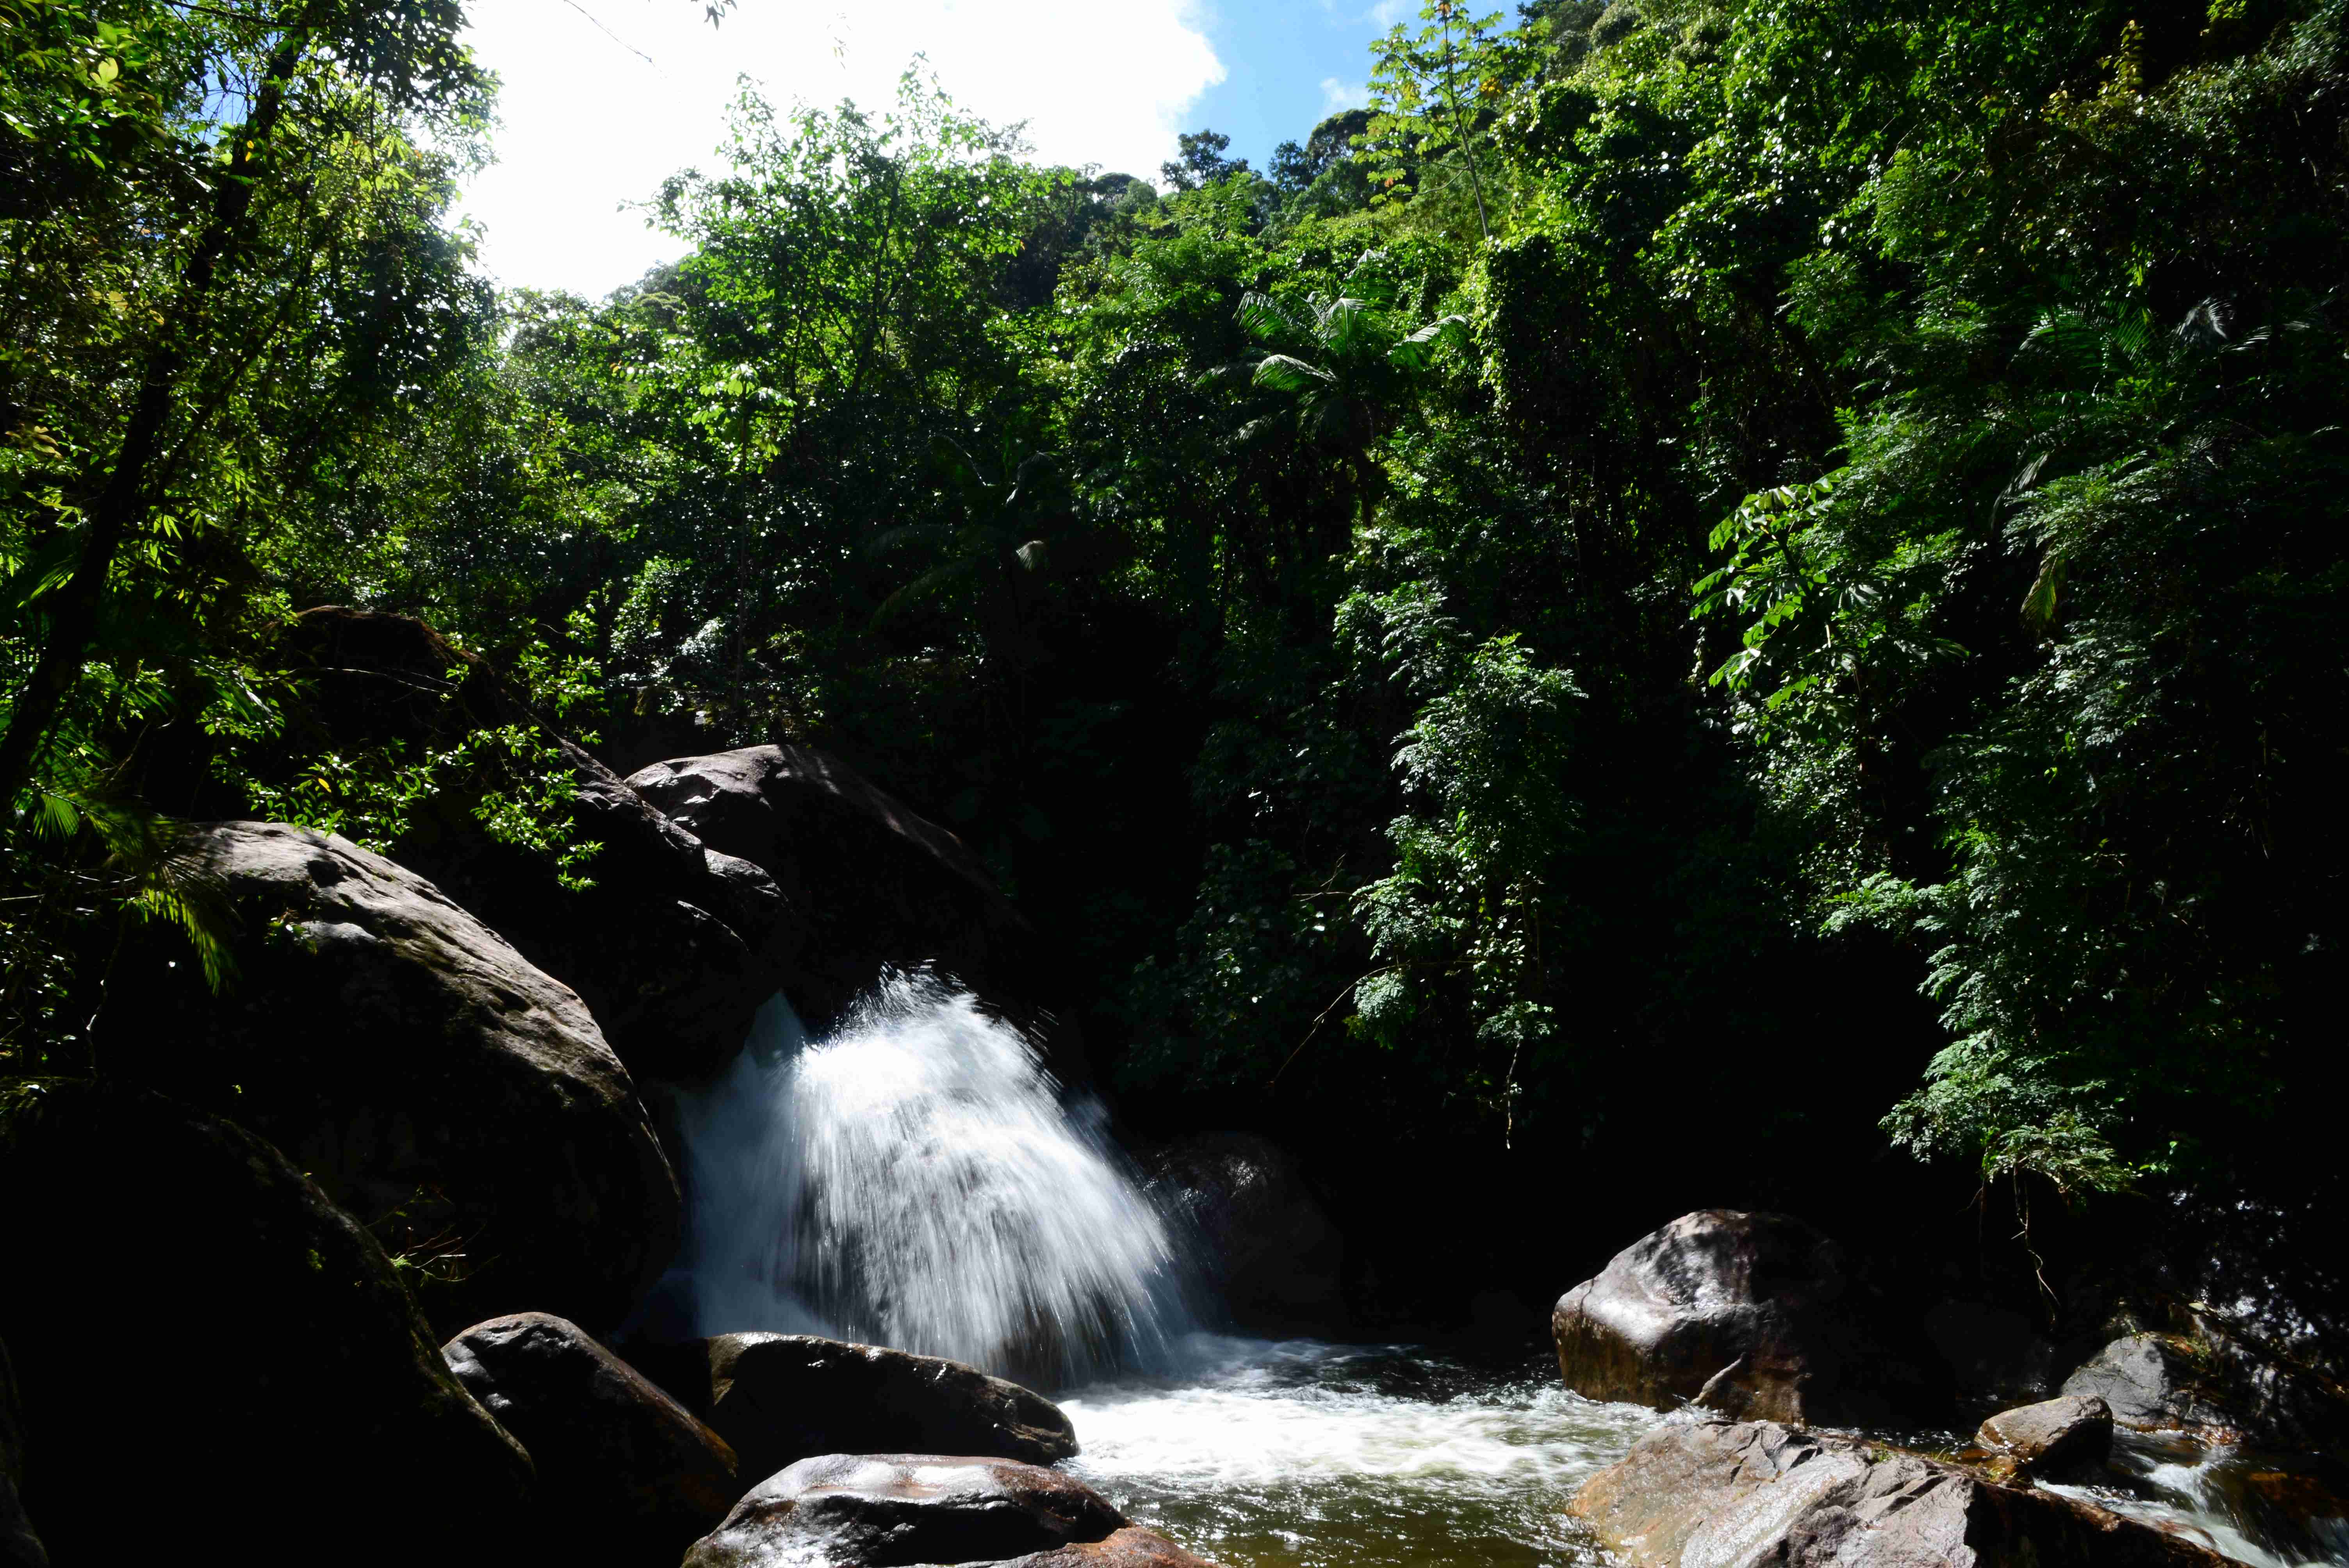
{"x": 602, "y": 99}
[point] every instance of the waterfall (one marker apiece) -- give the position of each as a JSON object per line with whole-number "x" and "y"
{"x": 913, "y": 1179}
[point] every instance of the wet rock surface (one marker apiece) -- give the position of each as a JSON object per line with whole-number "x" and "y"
{"x": 1751, "y": 1315}
{"x": 1714, "y": 1494}
{"x": 205, "y": 1346}
{"x": 1274, "y": 1259}
{"x": 2152, "y": 1382}
{"x": 782, "y": 1398}
{"x": 885, "y": 1511}
{"x": 624, "y": 1471}
{"x": 881, "y": 885}
{"x": 2060, "y": 1438}
{"x": 428, "y": 1077}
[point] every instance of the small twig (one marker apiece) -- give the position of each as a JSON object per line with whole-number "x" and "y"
{"x": 1345, "y": 991}
{"x": 615, "y": 36}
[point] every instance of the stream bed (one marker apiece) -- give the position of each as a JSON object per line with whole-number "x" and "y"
{"x": 1300, "y": 1454}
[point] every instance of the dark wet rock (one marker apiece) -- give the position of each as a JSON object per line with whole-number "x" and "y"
{"x": 1995, "y": 1354}
{"x": 782, "y": 1398}
{"x": 1751, "y": 1315}
{"x": 439, "y": 1086}
{"x": 20, "y": 1546}
{"x": 205, "y": 1346}
{"x": 2060, "y": 1437}
{"x": 1717, "y": 1493}
{"x": 881, "y": 885}
{"x": 672, "y": 947}
{"x": 887, "y": 1511}
{"x": 625, "y": 1472}
{"x": 1273, "y": 1258}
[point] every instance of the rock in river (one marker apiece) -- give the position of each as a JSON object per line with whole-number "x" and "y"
{"x": 214, "y": 1359}
{"x": 2055, "y": 1438}
{"x": 780, "y": 1397}
{"x": 433, "y": 1082}
{"x": 881, "y": 884}
{"x": 1720, "y": 1494}
{"x": 886, "y": 1511}
{"x": 1274, "y": 1257}
{"x": 624, "y": 1472}
{"x": 1753, "y": 1316}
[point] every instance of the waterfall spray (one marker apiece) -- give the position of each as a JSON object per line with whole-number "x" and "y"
{"x": 914, "y": 1180}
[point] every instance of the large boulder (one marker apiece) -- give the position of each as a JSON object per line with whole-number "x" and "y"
{"x": 1720, "y": 1494}
{"x": 625, "y": 1472}
{"x": 20, "y": 1547}
{"x": 1751, "y": 1315}
{"x": 2215, "y": 1387}
{"x": 1273, "y": 1258}
{"x": 881, "y": 886}
{"x": 886, "y": 1511}
{"x": 671, "y": 945}
{"x": 432, "y": 1080}
{"x": 780, "y": 1397}
{"x": 207, "y": 1347}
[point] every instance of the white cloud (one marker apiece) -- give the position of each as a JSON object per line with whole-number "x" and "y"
{"x": 1337, "y": 95}
{"x": 588, "y": 124}
{"x": 1387, "y": 13}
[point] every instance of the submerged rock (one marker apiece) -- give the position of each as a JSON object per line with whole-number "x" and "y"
{"x": 1274, "y": 1259}
{"x": 881, "y": 885}
{"x": 624, "y": 1472}
{"x": 1753, "y": 1316}
{"x": 2055, "y": 1438}
{"x": 780, "y": 1397}
{"x": 1719, "y": 1494}
{"x": 883, "y": 1511}
{"x": 213, "y": 1357}
{"x": 432, "y": 1080}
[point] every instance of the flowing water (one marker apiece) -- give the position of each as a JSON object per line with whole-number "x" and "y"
{"x": 915, "y": 1179}
{"x": 1304, "y": 1455}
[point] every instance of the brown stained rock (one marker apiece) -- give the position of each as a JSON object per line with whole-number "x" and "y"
{"x": 207, "y": 1347}
{"x": 1753, "y": 1316}
{"x": 779, "y": 1398}
{"x": 428, "y": 1077}
{"x": 624, "y": 1471}
{"x": 2067, "y": 1436}
{"x": 891, "y": 1510}
{"x": 1718, "y": 1494}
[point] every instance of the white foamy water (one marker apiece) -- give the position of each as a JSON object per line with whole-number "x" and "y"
{"x": 2200, "y": 1494}
{"x": 1301, "y": 1455}
{"x": 914, "y": 1180}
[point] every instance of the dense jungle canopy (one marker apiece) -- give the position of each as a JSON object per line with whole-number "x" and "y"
{"x": 1755, "y": 582}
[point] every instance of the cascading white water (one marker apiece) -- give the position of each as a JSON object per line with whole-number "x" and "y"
{"x": 914, "y": 1180}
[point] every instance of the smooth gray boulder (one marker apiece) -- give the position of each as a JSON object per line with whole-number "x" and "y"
{"x": 207, "y": 1347}
{"x": 440, "y": 1089}
{"x": 624, "y": 1471}
{"x": 2067, "y": 1436}
{"x": 892, "y": 1511}
{"x": 782, "y": 1398}
{"x": 1720, "y": 1494}
{"x": 1749, "y": 1314}
{"x": 2153, "y": 1382}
